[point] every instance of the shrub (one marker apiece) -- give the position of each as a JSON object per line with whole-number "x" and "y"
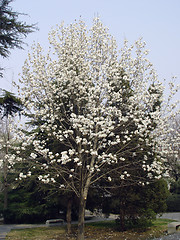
{"x": 173, "y": 203}
{"x": 142, "y": 220}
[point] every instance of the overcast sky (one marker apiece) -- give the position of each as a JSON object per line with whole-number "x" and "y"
{"x": 157, "y": 21}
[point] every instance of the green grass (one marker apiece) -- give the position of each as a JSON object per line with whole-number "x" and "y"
{"x": 40, "y": 233}
{"x": 111, "y": 224}
{"x": 161, "y": 222}
{"x": 94, "y": 231}
{"x": 102, "y": 224}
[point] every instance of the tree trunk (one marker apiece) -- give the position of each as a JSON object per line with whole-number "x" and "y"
{"x": 5, "y": 196}
{"x": 82, "y": 206}
{"x": 5, "y": 184}
{"x": 5, "y": 170}
{"x": 122, "y": 220}
{"x": 68, "y": 215}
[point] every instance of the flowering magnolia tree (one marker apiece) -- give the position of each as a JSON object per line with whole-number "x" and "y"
{"x": 95, "y": 111}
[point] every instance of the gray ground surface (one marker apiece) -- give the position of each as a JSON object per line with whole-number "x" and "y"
{"x": 174, "y": 216}
{"x": 4, "y": 229}
{"x": 175, "y": 236}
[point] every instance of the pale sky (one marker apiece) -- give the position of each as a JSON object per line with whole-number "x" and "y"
{"x": 157, "y": 21}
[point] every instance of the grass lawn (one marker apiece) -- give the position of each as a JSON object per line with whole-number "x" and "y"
{"x": 93, "y": 231}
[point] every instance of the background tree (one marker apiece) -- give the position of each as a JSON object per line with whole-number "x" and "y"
{"x": 9, "y": 106}
{"x": 173, "y": 157}
{"x": 72, "y": 91}
{"x": 136, "y": 205}
{"x": 12, "y": 31}
{"x": 173, "y": 163}
{"x": 173, "y": 201}
{"x": 53, "y": 145}
{"x": 29, "y": 202}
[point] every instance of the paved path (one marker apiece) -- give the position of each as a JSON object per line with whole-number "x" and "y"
{"x": 4, "y": 229}
{"x": 174, "y": 216}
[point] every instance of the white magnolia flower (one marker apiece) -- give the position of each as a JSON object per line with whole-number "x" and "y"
{"x": 109, "y": 179}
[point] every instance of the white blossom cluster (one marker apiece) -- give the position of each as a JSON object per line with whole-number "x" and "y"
{"x": 8, "y": 154}
{"x": 96, "y": 102}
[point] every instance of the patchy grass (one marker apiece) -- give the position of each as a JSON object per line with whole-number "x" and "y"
{"x": 102, "y": 224}
{"x": 94, "y": 231}
{"x": 161, "y": 222}
{"x": 39, "y": 233}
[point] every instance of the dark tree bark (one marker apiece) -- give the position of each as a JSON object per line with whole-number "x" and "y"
{"x": 122, "y": 220}
{"x": 5, "y": 170}
{"x": 68, "y": 215}
{"x": 82, "y": 206}
{"x": 5, "y": 196}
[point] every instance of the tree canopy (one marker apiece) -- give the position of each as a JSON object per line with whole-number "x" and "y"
{"x": 9, "y": 104}
{"x": 96, "y": 113}
{"x": 12, "y": 30}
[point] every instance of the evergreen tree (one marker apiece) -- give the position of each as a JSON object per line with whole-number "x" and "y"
{"x": 9, "y": 106}
{"x": 12, "y": 31}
